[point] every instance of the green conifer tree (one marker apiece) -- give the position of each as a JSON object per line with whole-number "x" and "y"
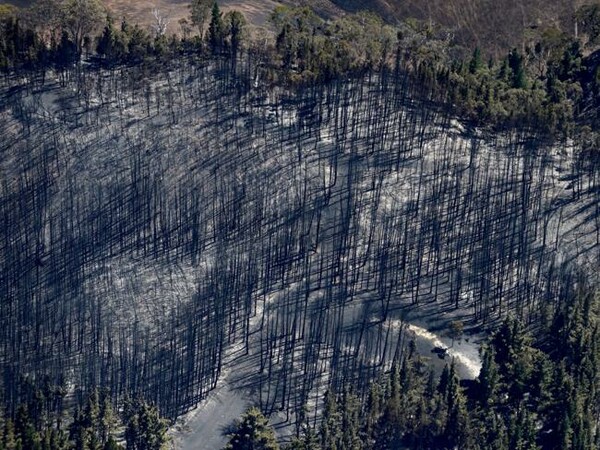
{"x": 10, "y": 439}
{"x": 488, "y": 378}
{"x": 331, "y": 424}
{"x": 476, "y": 62}
{"x": 253, "y": 432}
{"x": 216, "y": 29}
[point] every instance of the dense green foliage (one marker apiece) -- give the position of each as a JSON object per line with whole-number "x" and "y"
{"x": 43, "y": 423}
{"x": 29, "y": 44}
{"x": 546, "y": 86}
{"x": 253, "y": 433}
{"x": 199, "y": 14}
{"x": 308, "y": 48}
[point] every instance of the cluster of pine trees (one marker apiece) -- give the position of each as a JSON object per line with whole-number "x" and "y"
{"x": 44, "y": 422}
{"x": 547, "y": 84}
{"x": 58, "y": 34}
{"x": 534, "y": 391}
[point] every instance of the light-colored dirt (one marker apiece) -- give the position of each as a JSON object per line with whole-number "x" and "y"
{"x": 142, "y": 11}
{"x": 256, "y": 11}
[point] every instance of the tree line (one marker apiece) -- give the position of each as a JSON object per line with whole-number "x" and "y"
{"x": 547, "y": 84}
{"x": 59, "y": 33}
{"x": 43, "y": 422}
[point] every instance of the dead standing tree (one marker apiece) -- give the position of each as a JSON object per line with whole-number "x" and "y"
{"x": 293, "y": 227}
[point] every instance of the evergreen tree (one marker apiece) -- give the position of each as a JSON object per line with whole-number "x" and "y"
{"x": 153, "y": 428}
{"x": 493, "y": 430}
{"x": 107, "y": 417}
{"x": 216, "y": 29}
{"x": 145, "y": 430}
{"x": 516, "y": 64}
{"x": 373, "y": 409}
{"x": 78, "y": 432}
{"x": 132, "y": 432}
{"x": 65, "y": 53}
{"x": 476, "y": 62}
{"x": 112, "y": 44}
{"x": 92, "y": 414}
{"x": 444, "y": 381}
{"x": 10, "y": 439}
{"x": 331, "y": 423}
{"x": 25, "y": 430}
{"x": 350, "y": 425}
{"x": 457, "y": 429}
{"x": 253, "y": 432}
{"x": 308, "y": 440}
{"x": 488, "y": 378}
{"x": 235, "y": 24}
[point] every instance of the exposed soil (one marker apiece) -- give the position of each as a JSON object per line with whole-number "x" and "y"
{"x": 142, "y": 11}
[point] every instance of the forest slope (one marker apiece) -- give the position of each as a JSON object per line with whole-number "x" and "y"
{"x": 148, "y": 222}
{"x": 269, "y": 220}
{"x": 493, "y": 26}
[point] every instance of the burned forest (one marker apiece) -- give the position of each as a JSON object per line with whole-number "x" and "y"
{"x": 165, "y": 232}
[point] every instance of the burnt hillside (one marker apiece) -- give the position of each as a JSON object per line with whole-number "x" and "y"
{"x": 152, "y": 225}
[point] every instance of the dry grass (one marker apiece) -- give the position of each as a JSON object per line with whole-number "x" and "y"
{"x": 256, "y": 11}
{"x": 141, "y": 11}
